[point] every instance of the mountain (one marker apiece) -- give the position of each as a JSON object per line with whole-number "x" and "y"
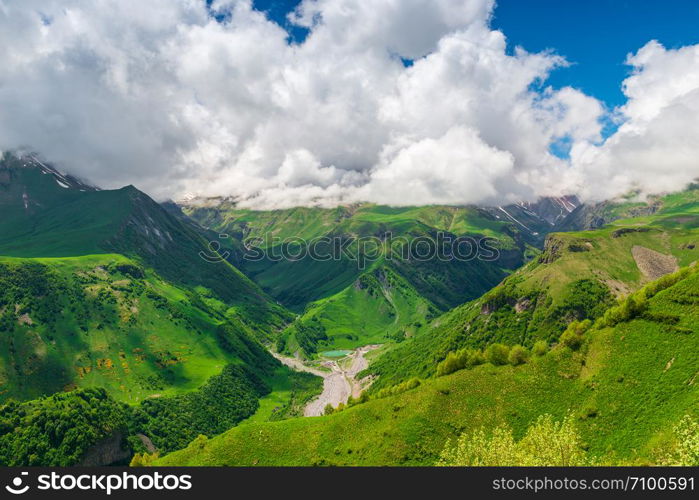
{"x": 595, "y": 215}
{"x": 576, "y": 277}
{"x": 376, "y": 287}
{"x": 106, "y": 288}
{"x": 628, "y": 384}
{"x": 51, "y": 215}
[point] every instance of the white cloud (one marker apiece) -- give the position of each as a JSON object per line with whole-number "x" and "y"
{"x": 158, "y": 94}
{"x": 656, "y": 149}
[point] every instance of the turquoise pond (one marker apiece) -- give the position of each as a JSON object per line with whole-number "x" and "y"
{"x": 335, "y": 354}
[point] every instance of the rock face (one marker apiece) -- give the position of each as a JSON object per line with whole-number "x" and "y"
{"x": 109, "y": 451}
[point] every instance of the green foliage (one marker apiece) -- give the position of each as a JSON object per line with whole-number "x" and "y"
{"x": 546, "y": 444}
{"x": 458, "y": 360}
{"x": 144, "y": 459}
{"x": 399, "y": 389}
{"x": 518, "y": 355}
{"x": 497, "y": 354}
{"x": 573, "y": 337}
{"x": 58, "y": 430}
{"x": 540, "y": 348}
{"x": 226, "y": 399}
{"x": 685, "y": 446}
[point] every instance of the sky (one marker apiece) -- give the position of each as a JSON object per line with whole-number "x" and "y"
{"x": 280, "y": 103}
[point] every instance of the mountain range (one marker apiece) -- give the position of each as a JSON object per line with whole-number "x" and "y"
{"x": 167, "y": 321}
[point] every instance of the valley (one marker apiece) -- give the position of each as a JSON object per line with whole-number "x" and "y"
{"x": 119, "y": 318}
{"x": 339, "y": 379}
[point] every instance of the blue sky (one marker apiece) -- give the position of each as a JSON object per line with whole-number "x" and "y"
{"x": 594, "y": 35}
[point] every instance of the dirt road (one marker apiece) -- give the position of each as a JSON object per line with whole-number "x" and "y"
{"x": 338, "y": 384}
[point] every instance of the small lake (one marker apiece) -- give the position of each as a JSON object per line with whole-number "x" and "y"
{"x": 335, "y": 354}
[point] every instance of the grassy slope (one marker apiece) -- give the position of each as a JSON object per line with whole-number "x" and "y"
{"x": 84, "y": 322}
{"x": 379, "y": 307}
{"x": 344, "y": 304}
{"x": 296, "y": 283}
{"x": 627, "y": 389}
{"x": 167, "y": 328}
{"x": 538, "y": 300}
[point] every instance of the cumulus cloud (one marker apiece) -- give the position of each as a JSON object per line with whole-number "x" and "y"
{"x": 161, "y": 94}
{"x": 656, "y": 148}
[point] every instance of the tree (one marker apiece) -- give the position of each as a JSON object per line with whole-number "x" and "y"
{"x": 518, "y": 355}
{"x": 497, "y": 354}
{"x": 546, "y": 443}
{"x": 540, "y": 348}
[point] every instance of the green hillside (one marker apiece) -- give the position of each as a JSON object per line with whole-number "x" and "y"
{"x": 381, "y": 306}
{"x": 295, "y": 283}
{"x": 627, "y": 387}
{"x": 47, "y": 219}
{"x": 576, "y": 277}
{"x": 377, "y": 289}
{"x": 106, "y": 289}
{"x": 105, "y": 321}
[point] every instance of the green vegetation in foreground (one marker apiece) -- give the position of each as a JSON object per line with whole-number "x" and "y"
{"x": 628, "y": 387}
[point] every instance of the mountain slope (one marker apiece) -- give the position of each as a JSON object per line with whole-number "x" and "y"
{"x": 575, "y": 278}
{"x": 108, "y": 289}
{"x": 376, "y": 286}
{"x": 47, "y": 217}
{"x": 627, "y": 387}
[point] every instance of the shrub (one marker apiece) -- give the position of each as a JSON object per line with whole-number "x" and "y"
{"x": 630, "y": 308}
{"x": 573, "y": 336}
{"x": 546, "y": 443}
{"x": 540, "y": 348}
{"x": 518, "y": 355}
{"x": 685, "y": 451}
{"x": 398, "y": 389}
{"x": 143, "y": 459}
{"x": 497, "y": 354}
{"x": 458, "y": 360}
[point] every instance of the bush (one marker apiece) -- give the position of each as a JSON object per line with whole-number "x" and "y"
{"x": 518, "y": 355}
{"x": 398, "y": 389}
{"x": 143, "y": 459}
{"x": 573, "y": 337}
{"x": 685, "y": 451}
{"x": 497, "y": 354}
{"x": 458, "y": 360}
{"x": 546, "y": 444}
{"x": 540, "y": 348}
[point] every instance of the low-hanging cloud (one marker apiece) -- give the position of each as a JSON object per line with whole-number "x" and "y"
{"x": 161, "y": 94}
